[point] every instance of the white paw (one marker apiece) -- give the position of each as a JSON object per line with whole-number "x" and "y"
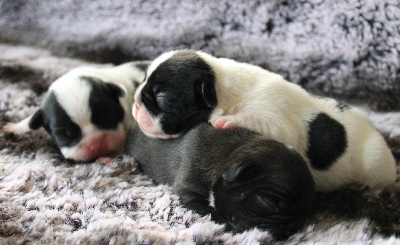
{"x": 11, "y": 128}
{"x": 17, "y": 128}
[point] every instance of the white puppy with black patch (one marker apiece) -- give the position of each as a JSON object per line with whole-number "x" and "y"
{"x": 183, "y": 88}
{"x": 87, "y": 111}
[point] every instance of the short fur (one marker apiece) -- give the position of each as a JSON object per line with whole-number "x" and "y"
{"x": 87, "y": 111}
{"x": 245, "y": 95}
{"x": 255, "y": 182}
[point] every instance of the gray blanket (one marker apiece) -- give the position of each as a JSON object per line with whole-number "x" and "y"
{"x": 348, "y": 50}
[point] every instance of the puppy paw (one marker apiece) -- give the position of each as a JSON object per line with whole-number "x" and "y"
{"x": 223, "y": 122}
{"x": 18, "y": 128}
{"x": 8, "y": 127}
{"x": 14, "y": 128}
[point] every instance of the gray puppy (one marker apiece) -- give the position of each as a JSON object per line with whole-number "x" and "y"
{"x": 238, "y": 176}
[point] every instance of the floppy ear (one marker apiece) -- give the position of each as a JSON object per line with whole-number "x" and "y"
{"x": 115, "y": 89}
{"x": 206, "y": 92}
{"x": 141, "y": 65}
{"x": 36, "y": 120}
{"x": 237, "y": 172}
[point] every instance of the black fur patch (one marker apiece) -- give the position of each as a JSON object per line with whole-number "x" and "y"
{"x": 58, "y": 123}
{"x": 107, "y": 111}
{"x": 327, "y": 141}
{"x": 180, "y": 92}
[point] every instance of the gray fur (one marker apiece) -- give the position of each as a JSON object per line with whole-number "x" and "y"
{"x": 256, "y": 182}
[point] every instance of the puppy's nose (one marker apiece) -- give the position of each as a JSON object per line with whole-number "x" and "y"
{"x": 136, "y": 104}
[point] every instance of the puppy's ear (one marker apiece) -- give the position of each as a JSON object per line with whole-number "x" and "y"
{"x": 36, "y": 120}
{"x": 205, "y": 91}
{"x": 115, "y": 89}
{"x": 237, "y": 172}
{"x": 141, "y": 65}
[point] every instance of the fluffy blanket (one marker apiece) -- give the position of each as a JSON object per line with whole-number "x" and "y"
{"x": 45, "y": 199}
{"x": 345, "y": 49}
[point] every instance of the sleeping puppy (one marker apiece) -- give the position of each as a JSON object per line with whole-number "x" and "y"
{"x": 254, "y": 181}
{"x": 184, "y": 88}
{"x": 87, "y": 111}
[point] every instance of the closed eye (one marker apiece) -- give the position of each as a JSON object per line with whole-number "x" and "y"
{"x": 163, "y": 95}
{"x": 67, "y": 136}
{"x": 150, "y": 102}
{"x": 165, "y": 100}
{"x": 64, "y": 133}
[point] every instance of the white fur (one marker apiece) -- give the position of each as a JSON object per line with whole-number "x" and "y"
{"x": 260, "y": 100}
{"x": 211, "y": 199}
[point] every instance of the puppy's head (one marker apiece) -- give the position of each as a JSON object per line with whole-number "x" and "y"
{"x": 177, "y": 94}
{"x": 87, "y": 111}
{"x": 267, "y": 186}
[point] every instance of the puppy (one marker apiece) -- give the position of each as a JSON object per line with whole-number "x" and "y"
{"x": 254, "y": 181}
{"x": 87, "y": 111}
{"x": 184, "y": 88}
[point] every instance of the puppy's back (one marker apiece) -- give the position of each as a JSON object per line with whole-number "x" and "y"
{"x": 200, "y": 147}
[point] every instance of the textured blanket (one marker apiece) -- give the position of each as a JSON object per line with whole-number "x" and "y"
{"x": 344, "y": 49}
{"x": 45, "y": 199}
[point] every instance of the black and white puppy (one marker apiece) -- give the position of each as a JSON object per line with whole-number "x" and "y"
{"x": 253, "y": 181}
{"x": 87, "y": 111}
{"x": 184, "y": 88}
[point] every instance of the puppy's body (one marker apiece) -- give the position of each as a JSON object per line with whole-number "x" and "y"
{"x": 341, "y": 145}
{"x": 256, "y": 182}
{"x": 87, "y": 111}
